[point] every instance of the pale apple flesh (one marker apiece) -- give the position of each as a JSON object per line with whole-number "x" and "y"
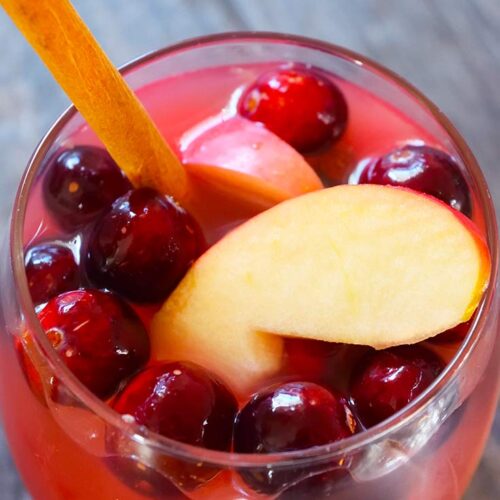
{"x": 365, "y": 264}
{"x": 247, "y": 161}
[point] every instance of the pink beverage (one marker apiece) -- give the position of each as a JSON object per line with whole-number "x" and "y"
{"x": 70, "y": 443}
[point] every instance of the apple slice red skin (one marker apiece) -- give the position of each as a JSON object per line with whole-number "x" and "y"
{"x": 246, "y": 161}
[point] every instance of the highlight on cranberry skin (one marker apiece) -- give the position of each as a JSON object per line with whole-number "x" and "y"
{"x": 300, "y": 105}
{"x": 424, "y": 169}
{"x": 82, "y": 182}
{"x": 143, "y": 246}
{"x": 98, "y": 336}
{"x": 50, "y": 269}
{"x": 288, "y": 417}
{"x": 386, "y": 381}
{"x": 181, "y": 401}
{"x": 292, "y": 416}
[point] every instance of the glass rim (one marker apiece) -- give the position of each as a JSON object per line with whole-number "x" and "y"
{"x": 308, "y": 456}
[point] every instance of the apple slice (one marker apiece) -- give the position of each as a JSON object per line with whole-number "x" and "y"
{"x": 245, "y": 160}
{"x": 363, "y": 264}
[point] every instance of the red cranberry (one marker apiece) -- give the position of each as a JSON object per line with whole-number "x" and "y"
{"x": 326, "y": 363}
{"x": 292, "y": 416}
{"x": 310, "y": 359}
{"x": 99, "y": 337}
{"x": 181, "y": 401}
{"x": 51, "y": 269}
{"x": 143, "y": 246}
{"x": 388, "y": 380}
{"x": 423, "y": 169}
{"x": 80, "y": 183}
{"x": 287, "y": 417}
{"x": 453, "y": 335}
{"x": 299, "y": 105}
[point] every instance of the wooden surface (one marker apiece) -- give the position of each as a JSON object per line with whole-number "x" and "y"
{"x": 450, "y": 49}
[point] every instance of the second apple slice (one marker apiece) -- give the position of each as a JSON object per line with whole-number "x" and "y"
{"x": 246, "y": 161}
{"x": 371, "y": 265}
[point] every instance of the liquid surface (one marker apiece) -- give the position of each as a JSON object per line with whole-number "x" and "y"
{"x": 178, "y": 107}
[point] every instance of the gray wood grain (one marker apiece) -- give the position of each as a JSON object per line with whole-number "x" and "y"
{"x": 447, "y": 48}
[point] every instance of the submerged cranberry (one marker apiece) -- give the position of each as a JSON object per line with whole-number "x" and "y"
{"x": 79, "y": 183}
{"x": 386, "y": 381}
{"x": 181, "y": 401}
{"x": 288, "y": 417}
{"x": 423, "y": 169}
{"x": 326, "y": 363}
{"x": 50, "y": 269}
{"x": 455, "y": 334}
{"x": 99, "y": 337}
{"x": 143, "y": 246}
{"x": 310, "y": 359}
{"x": 299, "y": 105}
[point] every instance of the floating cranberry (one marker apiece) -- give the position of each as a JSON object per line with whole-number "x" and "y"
{"x": 423, "y": 169}
{"x": 301, "y": 106}
{"x": 99, "y": 337}
{"x": 143, "y": 246}
{"x": 288, "y": 417}
{"x": 50, "y": 269}
{"x": 81, "y": 182}
{"x": 388, "y": 380}
{"x": 181, "y": 401}
{"x": 292, "y": 416}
